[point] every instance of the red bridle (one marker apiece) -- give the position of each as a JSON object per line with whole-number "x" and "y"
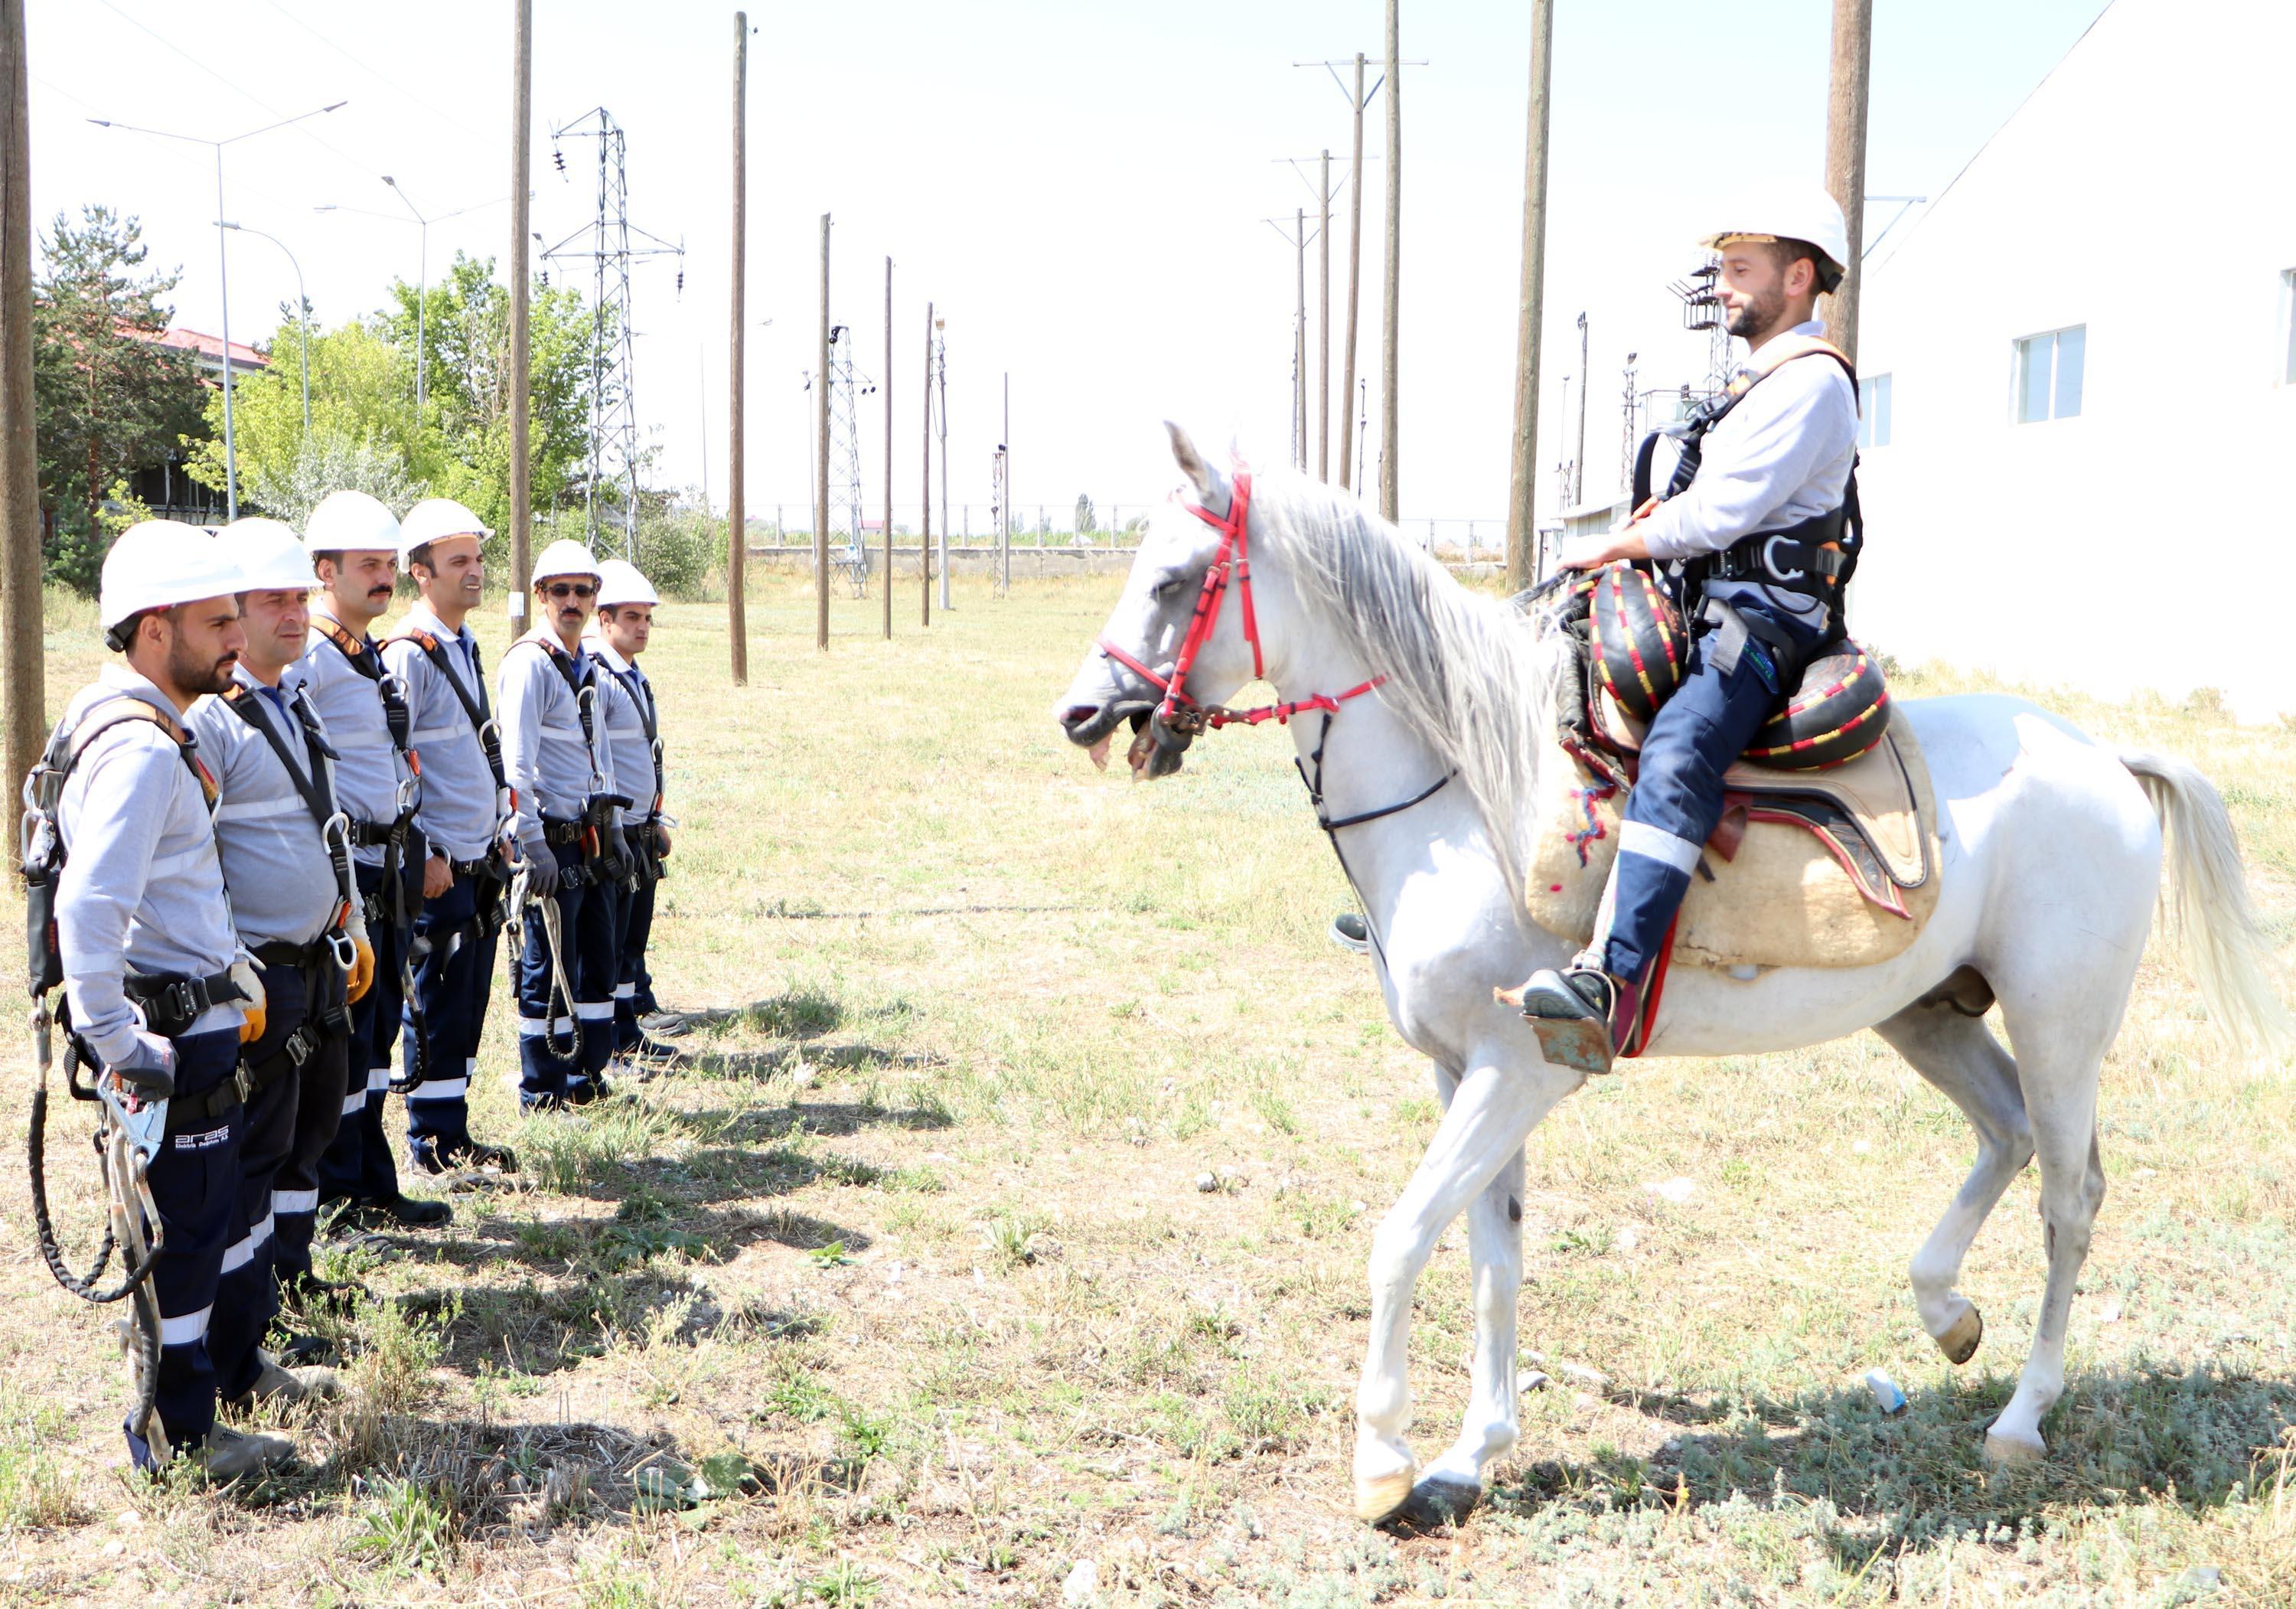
{"x": 1179, "y": 711}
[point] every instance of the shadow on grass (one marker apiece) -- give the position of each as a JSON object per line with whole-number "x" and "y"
{"x": 1911, "y": 1482}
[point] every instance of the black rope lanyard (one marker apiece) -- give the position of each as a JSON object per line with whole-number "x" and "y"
{"x": 1315, "y": 786}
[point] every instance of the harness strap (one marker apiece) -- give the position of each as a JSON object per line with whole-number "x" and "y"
{"x": 479, "y": 711}
{"x": 120, "y": 709}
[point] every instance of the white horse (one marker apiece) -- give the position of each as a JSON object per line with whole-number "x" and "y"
{"x": 2052, "y": 862}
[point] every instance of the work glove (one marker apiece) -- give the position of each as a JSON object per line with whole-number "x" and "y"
{"x": 244, "y": 974}
{"x": 362, "y": 973}
{"x": 149, "y": 1068}
{"x": 542, "y": 876}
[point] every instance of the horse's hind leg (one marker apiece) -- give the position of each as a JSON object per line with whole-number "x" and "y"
{"x": 1959, "y": 1056}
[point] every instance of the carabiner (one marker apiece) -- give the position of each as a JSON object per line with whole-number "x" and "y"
{"x": 345, "y": 951}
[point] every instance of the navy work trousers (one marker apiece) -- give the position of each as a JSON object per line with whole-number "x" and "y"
{"x": 548, "y": 1019}
{"x": 1677, "y": 800}
{"x": 633, "y": 983}
{"x": 194, "y": 1184}
{"x": 454, "y": 977}
{"x": 324, "y": 1081}
{"x": 359, "y": 1165}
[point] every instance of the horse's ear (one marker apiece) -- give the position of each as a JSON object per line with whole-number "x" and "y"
{"x": 1211, "y": 486}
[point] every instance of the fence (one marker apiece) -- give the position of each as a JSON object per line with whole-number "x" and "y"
{"x": 1118, "y": 528}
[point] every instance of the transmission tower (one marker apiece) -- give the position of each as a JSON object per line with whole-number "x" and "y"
{"x": 605, "y": 242}
{"x": 847, "y": 387}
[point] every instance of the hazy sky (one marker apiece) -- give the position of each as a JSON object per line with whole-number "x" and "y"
{"x": 1079, "y": 186}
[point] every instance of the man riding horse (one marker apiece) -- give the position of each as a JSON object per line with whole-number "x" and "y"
{"x": 1757, "y": 531}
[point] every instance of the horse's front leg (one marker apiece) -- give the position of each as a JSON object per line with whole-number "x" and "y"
{"x": 1476, "y": 1152}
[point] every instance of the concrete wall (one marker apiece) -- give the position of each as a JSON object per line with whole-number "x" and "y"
{"x": 2142, "y": 191}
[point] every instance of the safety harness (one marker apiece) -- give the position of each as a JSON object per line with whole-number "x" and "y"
{"x": 489, "y": 872}
{"x": 640, "y": 692}
{"x": 1814, "y": 557}
{"x": 392, "y": 903}
{"x": 130, "y": 1126}
{"x": 314, "y": 782}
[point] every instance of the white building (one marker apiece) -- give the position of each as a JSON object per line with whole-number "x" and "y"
{"x": 2080, "y": 376}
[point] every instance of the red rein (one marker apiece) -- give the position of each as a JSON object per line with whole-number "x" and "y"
{"x": 1233, "y": 557}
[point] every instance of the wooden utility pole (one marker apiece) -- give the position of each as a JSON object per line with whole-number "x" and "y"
{"x": 1389, "y": 502}
{"x": 1522, "y": 518}
{"x": 925, "y": 530}
{"x": 889, "y": 449}
{"x": 1354, "y": 269}
{"x": 521, "y": 459}
{"x": 1005, "y": 522}
{"x": 20, "y": 600}
{"x": 1845, "y": 158}
{"x": 821, "y": 462}
{"x": 1324, "y": 337}
{"x": 737, "y": 515}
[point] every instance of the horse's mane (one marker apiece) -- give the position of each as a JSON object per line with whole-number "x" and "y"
{"x": 1464, "y": 671}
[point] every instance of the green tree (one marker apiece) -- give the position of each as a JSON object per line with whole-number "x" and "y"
{"x": 359, "y": 416}
{"x": 108, "y": 400}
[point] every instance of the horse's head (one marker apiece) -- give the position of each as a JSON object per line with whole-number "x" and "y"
{"x": 1148, "y": 643}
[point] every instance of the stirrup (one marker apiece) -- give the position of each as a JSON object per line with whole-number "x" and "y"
{"x": 1574, "y": 1013}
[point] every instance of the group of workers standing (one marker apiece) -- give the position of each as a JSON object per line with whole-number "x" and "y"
{"x": 281, "y": 849}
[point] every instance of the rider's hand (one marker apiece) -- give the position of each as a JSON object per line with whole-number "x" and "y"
{"x": 437, "y": 876}
{"x": 150, "y": 1069}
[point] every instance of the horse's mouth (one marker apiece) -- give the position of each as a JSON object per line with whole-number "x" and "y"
{"x": 1155, "y": 750}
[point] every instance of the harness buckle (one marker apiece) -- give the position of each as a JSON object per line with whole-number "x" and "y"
{"x": 1770, "y": 563}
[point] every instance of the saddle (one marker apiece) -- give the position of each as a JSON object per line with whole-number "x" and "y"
{"x": 1805, "y": 868}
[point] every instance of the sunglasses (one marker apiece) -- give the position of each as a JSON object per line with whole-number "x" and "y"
{"x": 572, "y": 589}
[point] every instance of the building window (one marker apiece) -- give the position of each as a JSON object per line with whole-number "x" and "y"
{"x": 1874, "y": 411}
{"x": 2049, "y": 374}
{"x": 2288, "y": 327}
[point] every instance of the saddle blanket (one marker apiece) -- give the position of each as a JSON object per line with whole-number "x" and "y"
{"x": 1833, "y": 868}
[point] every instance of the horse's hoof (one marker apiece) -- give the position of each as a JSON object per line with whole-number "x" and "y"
{"x": 1439, "y": 1500}
{"x": 1961, "y": 1338}
{"x": 1382, "y": 1497}
{"x": 2012, "y": 1450}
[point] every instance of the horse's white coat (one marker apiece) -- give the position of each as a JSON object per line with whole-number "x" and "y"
{"x": 2052, "y": 861}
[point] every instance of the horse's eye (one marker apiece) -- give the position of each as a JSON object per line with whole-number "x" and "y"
{"x": 1161, "y": 592}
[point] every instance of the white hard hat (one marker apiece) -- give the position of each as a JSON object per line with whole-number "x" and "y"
{"x": 157, "y": 565}
{"x": 350, "y": 522}
{"x": 564, "y": 557}
{"x": 268, "y": 556}
{"x": 620, "y": 582}
{"x": 1791, "y": 212}
{"x": 435, "y": 519}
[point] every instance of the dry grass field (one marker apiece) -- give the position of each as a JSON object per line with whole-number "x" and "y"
{"x": 905, "y": 1292}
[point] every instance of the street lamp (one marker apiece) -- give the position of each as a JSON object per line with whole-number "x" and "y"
{"x": 303, "y": 313}
{"x": 230, "y": 459}
{"x": 423, "y": 269}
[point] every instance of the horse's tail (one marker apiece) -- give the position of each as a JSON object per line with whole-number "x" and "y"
{"x": 2204, "y": 904}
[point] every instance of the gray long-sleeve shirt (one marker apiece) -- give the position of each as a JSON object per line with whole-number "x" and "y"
{"x": 457, "y": 814}
{"x": 368, "y": 769}
{"x": 283, "y": 881}
{"x": 142, "y": 884}
{"x": 551, "y": 768}
{"x": 630, "y": 710}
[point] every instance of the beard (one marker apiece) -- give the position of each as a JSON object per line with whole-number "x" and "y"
{"x": 195, "y": 673}
{"x": 1762, "y": 314}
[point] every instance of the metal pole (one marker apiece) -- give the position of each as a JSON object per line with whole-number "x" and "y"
{"x": 1324, "y": 336}
{"x": 821, "y": 462}
{"x": 1004, "y": 534}
{"x": 737, "y": 523}
{"x": 222, "y": 255}
{"x": 1522, "y": 520}
{"x": 1578, "y": 464}
{"x": 1354, "y": 269}
{"x": 941, "y": 371}
{"x": 889, "y": 449}
{"x": 422, "y": 297}
{"x": 1389, "y": 501}
{"x": 925, "y": 531}
{"x": 522, "y": 462}
{"x": 1299, "y": 343}
{"x": 22, "y": 602}
{"x": 1845, "y": 158}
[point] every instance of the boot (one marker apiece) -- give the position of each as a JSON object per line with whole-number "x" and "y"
{"x": 285, "y": 1387}
{"x": 436, "y": 1159}
{"x": 230, "y": 1453}
{"x": 1581, "y": 1014}
{"x": 667, "y": 1024}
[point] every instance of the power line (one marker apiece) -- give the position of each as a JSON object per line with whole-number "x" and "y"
{"x": 364, "y": 66}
